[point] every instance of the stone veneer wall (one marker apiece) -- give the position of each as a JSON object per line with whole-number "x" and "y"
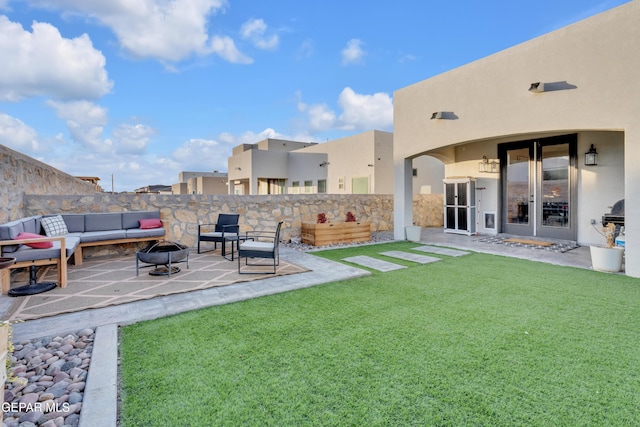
{"x": 22, "y": 175}
{"x": 183, "y": 213}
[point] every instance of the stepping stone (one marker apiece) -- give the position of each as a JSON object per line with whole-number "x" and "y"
{"x": 407, "y": 256}
{"x": 440, "y": 251}
{"x": 374, "y": 263}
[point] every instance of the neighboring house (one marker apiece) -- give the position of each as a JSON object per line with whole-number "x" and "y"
{"x": 156, "y": 189}
{"x": 534, "y": 111}
{"x": 357, "y": 164}
{"x": 201, "y": 183}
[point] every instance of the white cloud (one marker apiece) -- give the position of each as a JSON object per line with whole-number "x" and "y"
{"x": 167, "y": 30}
{"x": 254, "y": 30}
{"x": 17, "y": 135}
{"x": 321, "y": 118}
{"x": 365, "y": 111}
{"x": 353, "y": 53}
{"x": 132, "y": 139}
{"x": 359, "y": 112}
{"x": 42, "y": 62}
{"x": 201, "y": 155}
{"x": 306, "y": 49}
{"x": 226, "y": 49}
{"x": 85, "y": 121}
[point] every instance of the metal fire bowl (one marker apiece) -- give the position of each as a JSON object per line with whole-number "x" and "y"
{"x": 6, "y": 262}
{"x": 159, "y": 253}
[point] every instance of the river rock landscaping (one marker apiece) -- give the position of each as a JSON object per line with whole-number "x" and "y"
{"x": 49, "y": 379}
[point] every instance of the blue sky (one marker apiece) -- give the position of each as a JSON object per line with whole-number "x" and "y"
{"x": 143, "y": 89}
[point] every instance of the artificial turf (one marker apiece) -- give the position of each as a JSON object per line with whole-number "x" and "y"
{"x": 472, "y": 340}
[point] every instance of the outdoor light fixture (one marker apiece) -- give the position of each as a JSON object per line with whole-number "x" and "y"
{"x": 238, "y": 168}
{"x": 591, "y": 157}
{"x": 536, "y": 87}
{"x": 488, "y": 166}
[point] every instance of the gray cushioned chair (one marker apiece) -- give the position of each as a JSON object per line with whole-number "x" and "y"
{"x": 225, "y": 230}
{"x": 260, "y": 245}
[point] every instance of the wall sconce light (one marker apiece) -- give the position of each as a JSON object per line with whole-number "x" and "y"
{"x": 487, "y": 166}
{"x": 536, "y": 87}
{"x": 591, "y": 157}
{"x": 370, "y": 165}
{"x": 238, "y": 168}
{"x": 323, "y": 164}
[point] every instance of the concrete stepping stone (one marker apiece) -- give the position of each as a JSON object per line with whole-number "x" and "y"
{"x": 374, "y": 263}
{"x": 407, "y": 256}
{"x": 440, "y": 251}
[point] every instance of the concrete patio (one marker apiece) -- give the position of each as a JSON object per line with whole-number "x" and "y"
{"x": 100, "y": 402}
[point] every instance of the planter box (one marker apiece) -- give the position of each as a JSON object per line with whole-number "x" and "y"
{"x": 335, "y": 232}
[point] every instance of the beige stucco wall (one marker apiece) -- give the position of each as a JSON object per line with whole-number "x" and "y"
{"x": 350, "y": 157}
{"x": 20, "y": 174}
{"x": 366, "y": 155}
{"x": 595, "y": 60}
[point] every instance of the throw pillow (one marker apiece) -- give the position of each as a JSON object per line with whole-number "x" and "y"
{"x": 54, "y": 226}
{"x": 150, "y": 223}
{"x": 36, "y": 245}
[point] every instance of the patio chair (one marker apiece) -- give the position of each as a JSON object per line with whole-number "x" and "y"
{"x": 256, "y": 245}
{"x": 226, "y": 229}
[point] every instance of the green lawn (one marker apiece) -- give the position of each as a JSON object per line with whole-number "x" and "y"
{"x": 475, "y": 340}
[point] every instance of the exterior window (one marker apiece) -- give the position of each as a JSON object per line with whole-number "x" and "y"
{"x": 308, "y": 185}
{"x": 360, "y": 185}
{"x": 322, "y": 186}
{"x": 341, "y": 184}
{"x": 295, "y": 187}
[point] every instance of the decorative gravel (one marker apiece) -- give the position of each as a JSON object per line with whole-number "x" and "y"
{"x": 51, "y": 375}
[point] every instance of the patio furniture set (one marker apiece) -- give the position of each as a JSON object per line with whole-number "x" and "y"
{"x": 52, "y": 240}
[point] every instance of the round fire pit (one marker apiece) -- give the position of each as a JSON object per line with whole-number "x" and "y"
{"x": 163, "y": 254}
{"x": 6, "y": 262}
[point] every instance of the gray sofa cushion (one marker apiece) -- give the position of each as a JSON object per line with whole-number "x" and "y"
{"x": 25, "y": 253}
{"x": 130, "y": 219}
{"x": 147, "y": 232}
{"x": 75, "y": 222}
{"x": 97, "y": 236}
{"x": 103, "y": 222}
{"x": 10, "y": 231}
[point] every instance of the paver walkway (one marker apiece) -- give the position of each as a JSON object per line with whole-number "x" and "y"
{"x": 374, "y": 263}
{"x": 440, "y": 251}
{"x": 408, "y": 256}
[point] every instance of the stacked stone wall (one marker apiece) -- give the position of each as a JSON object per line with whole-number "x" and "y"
{"x": 183, "y": 213}
{"x": 20, "y": 175}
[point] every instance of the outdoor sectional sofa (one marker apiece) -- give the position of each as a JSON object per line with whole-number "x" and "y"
{"x": 78, "y": 231}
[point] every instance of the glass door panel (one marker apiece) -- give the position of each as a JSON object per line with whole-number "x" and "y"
{"x": 555, "y": 186}
{"x": 517, "y": 190}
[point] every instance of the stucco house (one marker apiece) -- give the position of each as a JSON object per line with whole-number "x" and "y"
{"x": 201, "y": 183}
{"x": 529, "y": 115}
{"x": 356, "y": 164}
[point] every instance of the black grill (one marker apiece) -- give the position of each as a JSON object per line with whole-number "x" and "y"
{"x": 616, "y": 215}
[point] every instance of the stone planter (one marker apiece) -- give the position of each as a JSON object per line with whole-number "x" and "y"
{"x": 606, "y": 259}
{"x": 331, "y": 233}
